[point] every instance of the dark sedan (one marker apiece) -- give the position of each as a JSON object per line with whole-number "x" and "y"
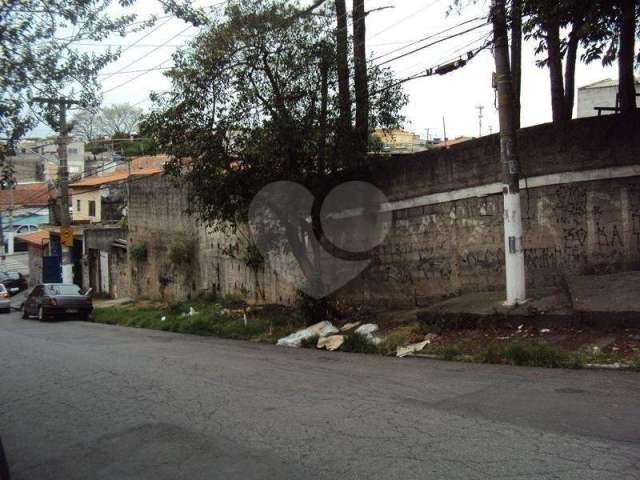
{"x": 13, "y": 281}
{"x": 57, "y": 300}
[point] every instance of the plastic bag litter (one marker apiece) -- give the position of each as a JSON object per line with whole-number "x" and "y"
{"x": 334, "y": 342}
{"x": 321, "y": 329}
{"x": 411, "y": 349}
{"x": 368, "y": 330}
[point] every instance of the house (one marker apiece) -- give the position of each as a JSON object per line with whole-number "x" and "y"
{"x": 35, "y": 243}
{"x": 24, "y": 209}
{"x": 103, "y": 199}
{"x": 600, "y": 98}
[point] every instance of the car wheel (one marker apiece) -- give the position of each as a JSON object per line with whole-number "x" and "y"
{"x": 25, "y": 315}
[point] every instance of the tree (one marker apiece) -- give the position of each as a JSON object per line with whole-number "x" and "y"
{"x": 40, "y": 56}
{"x": 627, "y": 29}
{"x": 360, "y": 80}
{"x": 255, "y": 100}
{"x": 516, "y": 57}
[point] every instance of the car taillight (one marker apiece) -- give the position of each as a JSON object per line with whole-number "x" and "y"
{"x": 52, "y": 301}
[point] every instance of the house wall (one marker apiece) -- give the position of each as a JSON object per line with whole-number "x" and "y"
{"x": 119, "y": 273}
{"x": 581, "y": 209}
{"x": 85, "y": 197}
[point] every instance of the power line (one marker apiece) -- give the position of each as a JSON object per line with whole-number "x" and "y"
{"x": 398, "y": 57}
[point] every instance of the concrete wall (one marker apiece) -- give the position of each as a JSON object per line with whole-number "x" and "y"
{"x": 157, "y": 221}
{"x": 581, "y": 208}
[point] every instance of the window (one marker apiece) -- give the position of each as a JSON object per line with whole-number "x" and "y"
{"x": 63, "y": 289}
{"x": 78, "y": 205}
{"x": 92, "y": 208}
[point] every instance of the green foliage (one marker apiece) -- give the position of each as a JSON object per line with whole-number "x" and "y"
{"x": 449, "y": 352}
{"x": 491, "y": 354}
{"x": 253, "y": 257}
{"x": 534, "y": 354}
{"x": 635, "y": 365}
{"x": 399, "y": 337}
{"x": 210, "y": 319}
{"x": 138, "y": 253}
{"x": 244, "y": 108}
{"x": 313, "y": 309}
{"x": 358, "y": 343}
{"x": 310, "y": 342}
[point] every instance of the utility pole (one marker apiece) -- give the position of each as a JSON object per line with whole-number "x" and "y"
{"x": 66, "y": 233}
{"x": 480, "y": 109}
{"x": 514, "y": 255}
{"x": 444, "y": 132}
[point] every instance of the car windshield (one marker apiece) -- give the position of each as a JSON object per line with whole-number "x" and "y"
{"x": 63, "y": 290}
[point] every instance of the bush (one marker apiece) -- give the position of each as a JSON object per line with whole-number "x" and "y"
{"x": 310, "y": 342}
{"x": 399, "y": 337}
{"x": 534, "y": 355}
{"x": 358, "y": 343}
{"x": 450, "y": 352}
{"x": 314, "y": 309}
{"x": 492, "y": 354}
{"x": 576, "y": 361}
{"x": 138, "y": 253}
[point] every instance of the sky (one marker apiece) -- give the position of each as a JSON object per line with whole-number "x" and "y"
{"x": 454, "y": 97}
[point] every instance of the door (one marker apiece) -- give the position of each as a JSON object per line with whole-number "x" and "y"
{"x": 104, "y": 272}
{"x": 51, "y": 269}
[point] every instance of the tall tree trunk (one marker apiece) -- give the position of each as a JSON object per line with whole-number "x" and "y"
{"x": 324, "y": 94}
{"x": 360, "y": 78}
{"x": 344, "y": 133}
{"x": 552, "y": 27}
{"x": 570, "y": 72}
{"x": 516, "y": 57}
{"x": 627, "y": 85}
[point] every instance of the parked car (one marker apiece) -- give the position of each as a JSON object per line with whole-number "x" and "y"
{"x": 5, "y": 303}
{"x": 57, "y": 300}
{"x": 14, "y": 281}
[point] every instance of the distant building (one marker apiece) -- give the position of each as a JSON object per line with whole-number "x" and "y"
{"x": 601, "y": 94}
{"x": 400, "y": 141}
{"x": 36, "y": 160}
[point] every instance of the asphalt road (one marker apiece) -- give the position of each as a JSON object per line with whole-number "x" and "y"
{"x": 85, "y": 401}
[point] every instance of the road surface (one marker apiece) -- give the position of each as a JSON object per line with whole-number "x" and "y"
{"x": 85, "y": 401}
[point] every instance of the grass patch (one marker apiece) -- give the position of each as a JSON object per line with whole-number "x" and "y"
{"x": 310, "y": 342}
{"x": 399, "y": 337}
{"x": 534, "y": 355}
{"x": 210, "y": 319}
{"x": 449, "y": 352}
{"x": 491, "y": 354}
{"x": 635, "y": 365}
{"x": 358, "y": 343}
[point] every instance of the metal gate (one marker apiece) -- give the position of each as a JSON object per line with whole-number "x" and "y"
{"x": 52, "y": 269}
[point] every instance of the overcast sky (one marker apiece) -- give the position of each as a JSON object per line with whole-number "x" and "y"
{"x": 454, "y": 96}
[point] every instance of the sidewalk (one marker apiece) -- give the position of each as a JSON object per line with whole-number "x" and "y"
{"x": 611, "y": 298}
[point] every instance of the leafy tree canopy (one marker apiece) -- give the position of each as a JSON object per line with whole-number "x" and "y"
{"x": 245, "y": 108}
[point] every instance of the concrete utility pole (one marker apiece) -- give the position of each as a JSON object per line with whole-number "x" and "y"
{"x": 514, "y": 255}
{"x": 66, "y": 233}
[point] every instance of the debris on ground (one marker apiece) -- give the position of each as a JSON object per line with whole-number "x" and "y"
{"x": 411, "y": 349}
{"x": 545, "y": 330}
{"x": 163, "y": 319}
{"x": 320, "y": 329}
{"x": 368, "y": 330}
{"x": 334, "y": 342}
{"x": 349, "y": 326}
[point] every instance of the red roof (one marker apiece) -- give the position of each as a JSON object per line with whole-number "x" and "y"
{"x": 26, "y": 195}
{"x": 116, "y": 177}
{"x": 38, "y": 238}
